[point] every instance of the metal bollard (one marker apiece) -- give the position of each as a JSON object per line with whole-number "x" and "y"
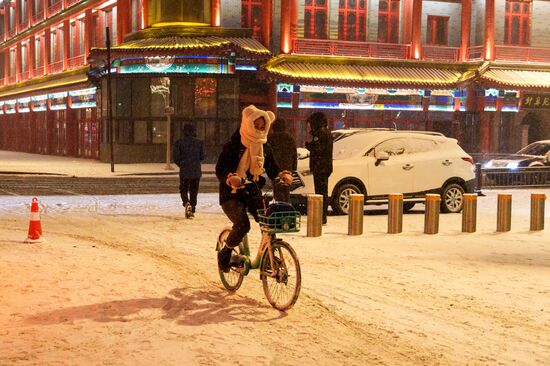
{"x": 469, "y": 213}
{"x": 479, "y": 176}
{"x": 314, "y": 215}
{"x": 395, "y": 213}
{"x": 504, "y": 212}
{"x": 537, "y": 211}
{"x": 431, "y": 216}
{"x": 355, "y": 218}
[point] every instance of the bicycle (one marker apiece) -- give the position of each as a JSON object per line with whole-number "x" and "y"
{"x": 278, "y": 263}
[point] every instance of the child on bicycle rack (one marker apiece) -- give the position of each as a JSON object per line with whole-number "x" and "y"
{"x": 239, "y": 168}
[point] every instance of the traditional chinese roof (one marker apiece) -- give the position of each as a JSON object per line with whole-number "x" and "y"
{"x": 368, "y": 72}
{"x": 49, "y": 82}
{"x": 181, "y": 39}
{"x": 515, "y": 76}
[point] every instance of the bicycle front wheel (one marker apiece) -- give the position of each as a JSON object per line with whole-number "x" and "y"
{"x": 233, "y": 279}
{"x": 282, "y": 279}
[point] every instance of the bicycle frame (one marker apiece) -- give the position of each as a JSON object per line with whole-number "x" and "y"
{"x": 265, "y": 244}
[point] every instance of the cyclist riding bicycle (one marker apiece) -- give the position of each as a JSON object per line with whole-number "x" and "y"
{"x": 239, "y": 168}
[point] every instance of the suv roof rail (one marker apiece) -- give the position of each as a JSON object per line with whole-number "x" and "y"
{"x": 432, "y": 133}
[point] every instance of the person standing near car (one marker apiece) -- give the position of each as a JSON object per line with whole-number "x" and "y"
{"x": 285, "y": 154}
{"x": 320, "y": 156}
{"x": 188, "y": 153}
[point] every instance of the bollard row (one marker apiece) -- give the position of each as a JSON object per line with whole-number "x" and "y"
{"x": 431, "y": 216}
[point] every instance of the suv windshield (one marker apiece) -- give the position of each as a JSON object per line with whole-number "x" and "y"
{"x": 350, "y": 144}
{"x": 536, "y": 148}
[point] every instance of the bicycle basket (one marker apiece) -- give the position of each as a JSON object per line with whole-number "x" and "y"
{"x": 274, "y": 221}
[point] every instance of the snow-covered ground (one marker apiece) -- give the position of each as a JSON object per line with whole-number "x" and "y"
{"x": 128, "y": 280}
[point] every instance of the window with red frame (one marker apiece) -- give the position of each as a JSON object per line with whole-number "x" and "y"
{"x": 251, "y": 16}
{"x": 388, "y": 21}
{"x": 438, "y": 30}
{"x": 315, "y": 19}
{"x": 351, "y": 20}
{"x": 517, "y": 22}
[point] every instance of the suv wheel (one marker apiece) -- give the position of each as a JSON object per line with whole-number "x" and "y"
{"x": 452, "y": 198}
{"x": 341, "y": 200}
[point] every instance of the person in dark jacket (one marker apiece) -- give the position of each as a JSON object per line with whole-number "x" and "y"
{"x": 286, "y": 156}
{"x": 320, "y": 156}
{"x": 188, "y": 153}
{"x": 239, "y": 168}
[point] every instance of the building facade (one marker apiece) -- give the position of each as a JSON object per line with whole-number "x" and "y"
{"x": 476, "y": 70}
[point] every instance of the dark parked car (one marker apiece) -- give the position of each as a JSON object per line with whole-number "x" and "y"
{"x": 536, "y": 154}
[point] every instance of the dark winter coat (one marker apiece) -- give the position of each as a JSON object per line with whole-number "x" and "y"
{"x": 188, "y": 153}
{"x": 228, "y": 162}
{"x": 283, "y": 145}
{"x": 320, "y": 146}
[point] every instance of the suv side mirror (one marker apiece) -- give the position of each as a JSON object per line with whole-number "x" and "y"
{"x": 381, "y": 155}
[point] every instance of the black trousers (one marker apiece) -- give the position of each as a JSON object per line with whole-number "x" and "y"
{"x": 236, "y": 212}
{"x": 189, "y": 188}
{"x": 320, "y": 183}
{"x": 281, "y": 193}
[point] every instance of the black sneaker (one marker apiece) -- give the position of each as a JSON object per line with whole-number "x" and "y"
{"x": 224, "y": 258}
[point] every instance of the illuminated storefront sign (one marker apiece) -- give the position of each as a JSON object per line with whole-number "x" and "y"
{"x": 10, "y": 106}
{"x": 39, "y": 103}
{"x": 176, "y": 69}
{"x": 83, "y": 98}
{"x": 23, "y": 105}
{"x": 58, "y": 101}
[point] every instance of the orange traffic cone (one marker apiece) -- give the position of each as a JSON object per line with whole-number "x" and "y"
{"x": 35, "y": 228}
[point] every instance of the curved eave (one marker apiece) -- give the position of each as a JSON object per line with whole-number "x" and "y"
{"x": 50, "y": 82}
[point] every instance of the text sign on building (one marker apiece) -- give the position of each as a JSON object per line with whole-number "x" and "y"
{"x": 176, "y": 68}
{"x": 24, "y": 105}
{"x": 83, "y": 98}
{"x": 39, "y": 103}
{"x": 10, "y": 106}
{"x": 58, "y": 101}
{"x": 535, "y": 101}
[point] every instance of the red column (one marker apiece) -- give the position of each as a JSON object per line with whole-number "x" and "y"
{"x": 88, "y": 31}
{"x": 123, "y": 14}
{"x": 267, "y": 21}
{"x": 18, "y": 62}
{"x": 100, "y": 34}
{"x": 286, "y": 15}
{"x": 66, "y": 43}
{"x": 30, "y": 5}
{"x": 416, "y": 34}
{"x": 46, "y": 9}
{"x": 465, "y": 28}
{"x": 31, "y": 58}
{"x": 215, "y": 13}
{"x": 17, "y": 14}
{"x": 407, "y": 21}
{"x": 6, "y": 22}
{"x": 47, "y": 50}
{"x": 6, "y": 66}
{"x": 489, "y": 39}
{"x": 144, "y": 14}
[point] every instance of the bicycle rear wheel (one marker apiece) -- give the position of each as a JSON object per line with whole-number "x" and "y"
{"x": 282, "y": 279}
{"x": 233, "y": 279}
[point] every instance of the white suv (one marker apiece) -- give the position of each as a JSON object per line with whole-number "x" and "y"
{"x": 377, "y": 162}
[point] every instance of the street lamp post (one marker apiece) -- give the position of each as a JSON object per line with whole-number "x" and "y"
{"x": 109, "y": 101}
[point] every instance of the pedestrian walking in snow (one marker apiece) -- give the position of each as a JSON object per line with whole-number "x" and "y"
{"x": 320, "y": 156}
{"x": 188, "y": 153}
{"x": 286, "y": 156}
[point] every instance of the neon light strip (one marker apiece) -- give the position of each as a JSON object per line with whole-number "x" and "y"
{"x": 83, "y": 105}
{"x": 58, "y": 107}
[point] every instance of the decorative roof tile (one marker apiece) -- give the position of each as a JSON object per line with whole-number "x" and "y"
{"x": 356, "y": 71}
